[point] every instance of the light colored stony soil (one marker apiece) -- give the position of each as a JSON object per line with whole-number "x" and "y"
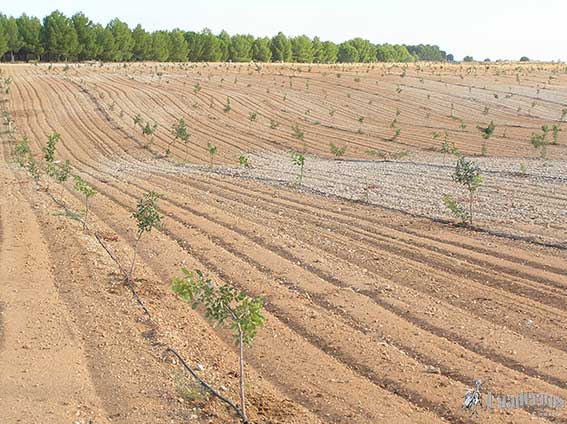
{"x": 532, "y": 204}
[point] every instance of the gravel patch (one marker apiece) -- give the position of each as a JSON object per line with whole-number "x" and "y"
{"x": 416, "y": 185}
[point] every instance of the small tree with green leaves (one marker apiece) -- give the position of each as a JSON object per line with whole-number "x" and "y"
{"x": 49, "y": 149}
{"x": 486, "y": 133}
{"x": 33, "y": 169}
{"x": 227, "y": 107}
{"x": 148, "y": 131}
{"x": 59, "y": 172}
{"x": 555, "y": 134}
{"x": 212, "y": 153}
{"x": 244, "y": 161}
{"x": 147, "y": 217}
{"x": 467, "y": 174}
{"x": 274, "y": 124}
{"x": 22, "y": 151}
{"x": 180, "y": 133}
{"x": 337, "y": 151}
{"x": 224, "y": 304}
{"x": 298, "y": 159}
{"x": 396, "y": 135}
{"x": 539, "y": 143}
{"x": 87, "y": 191}
{"x": 298, "y": 134}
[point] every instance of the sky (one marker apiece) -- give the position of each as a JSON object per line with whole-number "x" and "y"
{"x": 495, "y": 29}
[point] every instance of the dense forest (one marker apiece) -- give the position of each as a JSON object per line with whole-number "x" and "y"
{"x": 60, "y": 38}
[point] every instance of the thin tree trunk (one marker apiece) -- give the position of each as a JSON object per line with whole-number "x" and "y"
{"x": 86, "y": 213}
{"x": 471, "y": 208}
{"x": 242, "y": 398}
{"x": 134, "y": 258}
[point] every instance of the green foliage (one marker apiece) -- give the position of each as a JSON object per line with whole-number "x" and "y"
{"x": 212, "y": 152}
{"x": 63, "y": 172}
{"x": 180, "y": 131}
{"x": 281, "y": 48}
{"x": 83, "y": 187}
{"x": 240, "y": 49}
{"x": 142, "y": 43}
{"x": 274, "y": 124}
{"x": 178, "y": 46}
{"x": 396, "y": 135}
{"x": 302, "y": 49}
{"x": 148, "y": 129}
{"x": 227, "y": 107}
{"x": 539, "y": 143}
{"x": 59, "y": 38}
{"x": 253, "y": 116}
{"x": 486, "y": 133}
{"x": 33, "y": 169}
{"x": 10, "y": 34}
{"x": 297, "y": 133}
{"x": 123, "y": 41}
{"x": 49, "y": 149}
{"x": 298, "y": 159}
{"x": 347, "y": 53}
{"x": 555, "y": 131}
{"x": 337, "y": 151}
{"x": 467, "y": 174}
{"x": 261, "y": 49}
{"x": 456, "y": 208}
{"x": 22, "y": 150}
{"x": 160, "y": 46}
{"x": 393, "y": 53}
{"x": 146, "y": 215}
{"x": 244, "y": 161}
{"x": 29, "y": 29}
{"x": 222, "y": 304}
{"x": 87, "y": 191}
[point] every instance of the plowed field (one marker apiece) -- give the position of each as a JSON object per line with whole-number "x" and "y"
{"x": 377, "y": 311}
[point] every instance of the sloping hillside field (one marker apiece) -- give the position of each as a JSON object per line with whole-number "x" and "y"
{"x": 379, "y": 306}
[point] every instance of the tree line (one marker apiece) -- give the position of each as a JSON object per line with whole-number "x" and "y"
{"x": 60, "y": 38}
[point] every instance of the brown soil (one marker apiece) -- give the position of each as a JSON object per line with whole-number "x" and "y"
{"x": 372, "y": 315}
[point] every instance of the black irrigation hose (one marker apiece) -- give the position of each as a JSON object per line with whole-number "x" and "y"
{"x": 147, "y": 312}
{"x": 207, "y": 387}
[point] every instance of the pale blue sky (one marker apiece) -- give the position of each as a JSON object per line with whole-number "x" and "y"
{"x": 496, "y": 29}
